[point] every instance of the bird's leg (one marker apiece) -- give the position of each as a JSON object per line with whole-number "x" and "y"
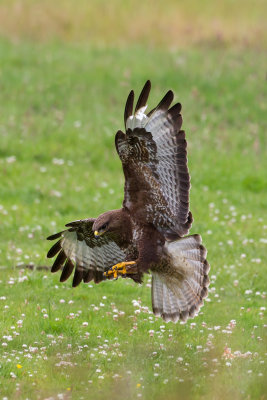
{"x": 121, "y": 269}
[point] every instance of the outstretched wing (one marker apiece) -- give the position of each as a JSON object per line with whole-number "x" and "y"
{"x": 154, "y": 159}
{"x": 77, "y": 248}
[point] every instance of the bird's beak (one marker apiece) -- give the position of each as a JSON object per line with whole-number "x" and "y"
{"x": 96, "y": 233}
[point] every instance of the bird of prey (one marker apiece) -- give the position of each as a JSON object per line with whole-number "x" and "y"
{"x": 148, "y": 233}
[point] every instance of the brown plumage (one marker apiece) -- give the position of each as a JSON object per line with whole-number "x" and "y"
{"x": 149, "y": 229}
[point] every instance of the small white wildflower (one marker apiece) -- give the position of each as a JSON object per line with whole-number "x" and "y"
{"x": 58, "y": 161}
{"x": 256, "y": 260}
{"x": 11, "y": 159}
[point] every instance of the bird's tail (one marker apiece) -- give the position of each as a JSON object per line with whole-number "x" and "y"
{"x": 178, "y": 290}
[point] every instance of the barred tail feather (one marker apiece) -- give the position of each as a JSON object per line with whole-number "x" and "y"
{"x": 179, "y": 290}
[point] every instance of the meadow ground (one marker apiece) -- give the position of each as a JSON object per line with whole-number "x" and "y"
{"x": 60, "y": 105}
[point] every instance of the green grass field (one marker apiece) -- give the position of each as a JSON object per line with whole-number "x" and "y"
{"x": 60, "y": 106}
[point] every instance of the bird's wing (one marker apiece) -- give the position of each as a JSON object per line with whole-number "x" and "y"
{"x": 154, "y": 158}
{"x": 77, "y": 248}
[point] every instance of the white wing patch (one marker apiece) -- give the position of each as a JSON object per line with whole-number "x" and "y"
{"x": 138, "y": 120}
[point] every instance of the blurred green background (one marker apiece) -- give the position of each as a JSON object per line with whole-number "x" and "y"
{"x": 166, "y": 23}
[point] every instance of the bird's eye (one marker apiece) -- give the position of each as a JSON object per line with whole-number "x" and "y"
{"x": 103, "y": 227}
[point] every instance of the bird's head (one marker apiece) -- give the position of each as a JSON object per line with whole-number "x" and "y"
{"x": 110, "y": 221}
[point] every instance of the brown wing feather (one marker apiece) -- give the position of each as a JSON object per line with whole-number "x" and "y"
{"x": 129, "y": 106}
{"x": 154, "y": 150}
{"x": 79, "y": 249}
{"x": 141, "y": 102}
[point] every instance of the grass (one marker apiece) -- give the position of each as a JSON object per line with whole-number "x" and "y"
{"x": 60, "y": 107}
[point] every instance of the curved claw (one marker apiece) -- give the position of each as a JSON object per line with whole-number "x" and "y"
{"x": 120, "y": 269}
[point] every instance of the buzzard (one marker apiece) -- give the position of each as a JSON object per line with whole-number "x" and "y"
{"x": 148, "y": 233}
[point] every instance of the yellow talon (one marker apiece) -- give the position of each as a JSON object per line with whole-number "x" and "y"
{"x": 119, "y": 268}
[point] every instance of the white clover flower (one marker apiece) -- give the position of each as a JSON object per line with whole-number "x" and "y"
{"x": 11, "y": 159}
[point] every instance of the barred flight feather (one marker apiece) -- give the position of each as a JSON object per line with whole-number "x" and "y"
{"x": 178, "y": 290}
{"x": 79, "y": 249}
